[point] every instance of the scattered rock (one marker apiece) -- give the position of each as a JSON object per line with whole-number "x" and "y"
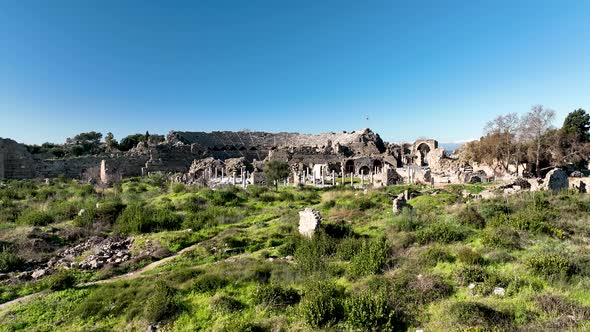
{"x": 39, "y": 273}
{"x": 499, "y": 291}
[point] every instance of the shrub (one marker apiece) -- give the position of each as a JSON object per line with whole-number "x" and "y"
{"x": 177, "y": 188}
{"x": 494, "y": 208}
{"x": 61, "y": 280}
{"x": 471, "y": 273}
{"x": 209, "y": 283}
{"x": 9, "y": 261}
{"x": 442, "y": 232}
{"x": 321, "y": 305}
{"x": 468, "y": 256}
{"x": 348, "y": 247}
{"x": 34, "y": 218}
{"x": 470, "y": 217}
{"x": 501, "y": 237}
{"x": 310, "y": 253}
{"x": 551, "y": 265}
{"x": 161, "y": 304}
{"x": 225, "y": 304}
{"x": 371, "y": 258}
{"x": 194, "y": 204}
{"x": 478, "y": 315}
{"x": 338, "y": 230}
{"x": 225, "y": 197}
{"x": 141, "y": 219}
{"x": 275, "y": 296}
{"x": 435, "y": 254}
{"x": 369, "y": 311}
{"x": 408, "y": 221}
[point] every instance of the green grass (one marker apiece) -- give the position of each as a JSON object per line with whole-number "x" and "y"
{"x": 250, "y": 270}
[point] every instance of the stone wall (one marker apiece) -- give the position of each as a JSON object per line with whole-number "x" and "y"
{"x": 16, "y": 162}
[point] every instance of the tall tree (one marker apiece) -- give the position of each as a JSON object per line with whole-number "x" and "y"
{"x": 274, "y": 171}
{"x": 110, "y": 142}
{"x": 502, "y": 131}
{"x": 577, "y": 123}
{"x": 535, "y": 125}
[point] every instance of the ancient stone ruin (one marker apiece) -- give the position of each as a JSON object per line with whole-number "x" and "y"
{"x": 309, "y": 222}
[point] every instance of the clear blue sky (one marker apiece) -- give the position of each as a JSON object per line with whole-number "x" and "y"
{"x": 436, "y": 69}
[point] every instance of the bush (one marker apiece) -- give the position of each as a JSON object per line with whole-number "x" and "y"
{"x": 275, "y": 296}
{"x": 310, "y": 253}
{"x": 501, "y": 237}
{"x": 61, "y": 280}
{"x": 208, "y": 283}
{"x": 470, "y": 217}
{"x": 551, "y": 265}
{"x": 161, "y": 304}
{"x": 441, "y": 232}
{"x": 472, "y": 273}
{"x": 9, "y": 262}
{"x": 435, "y": 254}
{"x": 137, "y": 219}
{"x": 106, "y": 213}
{"x": 369, "y": 311}
{"x": 494, "y": 208}
{"x": 371, "y": 258}
{"x": 348, "y": 247}
{"x": 478, "y": 315}
{"x": 321, "y": 306}
{"x": 34, "y": 218}
{"x": 408, "y": 221}
{"x": 224, "y": 304}
{"x": 468, "y": 256}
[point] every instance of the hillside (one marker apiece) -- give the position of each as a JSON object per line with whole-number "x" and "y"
{"x": 449, "y": 263}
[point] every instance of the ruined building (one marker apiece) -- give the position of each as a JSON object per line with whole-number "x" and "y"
{"x": 360, "y": 153}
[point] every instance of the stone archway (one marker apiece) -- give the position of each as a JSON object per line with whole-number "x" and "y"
{"x": 365, "y": 170}
{"x": 349, "y": 166}
{"x": 423, "y": 150}
{"x": 377, "y": 165}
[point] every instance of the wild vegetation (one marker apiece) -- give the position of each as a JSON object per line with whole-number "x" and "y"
{"x": 504, "y": 264}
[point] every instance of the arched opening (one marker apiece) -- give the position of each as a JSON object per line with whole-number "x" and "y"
{"x": 365, "y": 170}
{"x": 377, "y": 165}
{"x": 423, "y": 150}
{"x": 349, "y": 166}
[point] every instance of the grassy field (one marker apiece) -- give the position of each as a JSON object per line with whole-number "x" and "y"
{"x": 447, "y": 264}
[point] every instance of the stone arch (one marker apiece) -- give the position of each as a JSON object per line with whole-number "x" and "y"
{"x": 423, "y": 150}
{"x": 377, "y": 164}
{"x": 349, "y": 166}
{"x": 365, "y": 170}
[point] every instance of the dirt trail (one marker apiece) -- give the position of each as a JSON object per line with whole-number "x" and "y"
{"x": 130, "y": 275}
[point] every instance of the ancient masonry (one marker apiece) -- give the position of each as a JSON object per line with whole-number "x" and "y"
{"x": 238, "y": 158}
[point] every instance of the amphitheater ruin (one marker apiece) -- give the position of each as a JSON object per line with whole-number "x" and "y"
{"x": 225, "y": 157}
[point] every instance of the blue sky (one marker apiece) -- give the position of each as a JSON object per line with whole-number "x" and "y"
{"x": 436, "y": 69}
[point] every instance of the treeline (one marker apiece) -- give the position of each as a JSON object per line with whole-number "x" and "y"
{"x": 93, "y": 143}
{"x": 531, "y": 141}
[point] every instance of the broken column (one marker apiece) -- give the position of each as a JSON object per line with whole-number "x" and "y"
{"x": 309, "y": 222}
{"x": 104, "y": 177}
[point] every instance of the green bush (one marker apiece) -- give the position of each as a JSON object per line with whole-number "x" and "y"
{"x": 348, "y": 247}
{"x": 551, "y": 265}
{"x": 368, "y": 311}
{"x": 408, "y": 221}
{"x": 471, "y": 274}
{"x": 311, "y": 253}
{"x": 9, "y": 262}
{"x": 468, "y": 256}
{"x": 34, "y": 218}
{"x": 224, "y": 304}
{"x": 161, "y": 304}
{"x": 137, "y": 219}
{"x": 470, "y": 217}
{"x": 321, "y": 305}
{"x": 208, "y": 283}
{"x": 371, "y": 258}
{"x": 478, "y": 315}
{"x": 61, "y": 280}
{"x": 106, "y": 213}
{"x": 275, "y": 296}
{"x": 441, "y": 232}
{"x": 436, "y": 254}
{"x": 501, "y": 237}
{"x": 491, "y": 209}
{"x": 225, "y": 197}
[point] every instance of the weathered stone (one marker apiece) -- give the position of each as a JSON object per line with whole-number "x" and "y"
{"x": 400, "y": 203}
{"x": 309, "y": 222}
{"x": 556, "y": 180}
{"x": 38, "y": 273}
{"x": 499, "y": 291}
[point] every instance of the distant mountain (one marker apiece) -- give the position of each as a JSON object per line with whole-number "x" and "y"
{"x": 451, "y": 146}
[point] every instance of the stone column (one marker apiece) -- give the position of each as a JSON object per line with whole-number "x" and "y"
{"x": 352, "y": 179}
{"x": 372, "y": 178}
{"x": 333, "y": 178}
{"x": 222, "y": 171}
{"x": 362, "y": 179}
{"x": 233, "y": 178}
{"x": 104, "y": 177}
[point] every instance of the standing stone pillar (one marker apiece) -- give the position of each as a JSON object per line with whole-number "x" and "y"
{"x": 222, "y": 171}
{"x": 104, "y": 177}
{"x": 372, "y": 178}
{"x": 352, "y": 179}
{"x": 362, "y": 179}
{"x": 333, "y": 178}
{"x": 313, "y": 178}
{"x": 233, "y": 178}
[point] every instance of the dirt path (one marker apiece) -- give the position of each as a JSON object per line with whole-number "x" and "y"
{"x": 130, "y": 275}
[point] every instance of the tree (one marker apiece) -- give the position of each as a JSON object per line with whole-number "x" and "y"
{"x": 110, "y": 142}
{"x": 130, "y": 142}
{"x": 535, "y": 125}
{"x": 502, "y": 132}
{"x": 84, "y": 143}
{"x": 577, "y": 123}
{"x": 274, "y": 171}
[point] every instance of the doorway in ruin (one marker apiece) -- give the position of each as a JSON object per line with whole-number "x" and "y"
{"x": 365, "y": 170}
{"x": 423, "y": 150}
{"x": 377, "y": 165}
{"x": 349, "y": 166}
